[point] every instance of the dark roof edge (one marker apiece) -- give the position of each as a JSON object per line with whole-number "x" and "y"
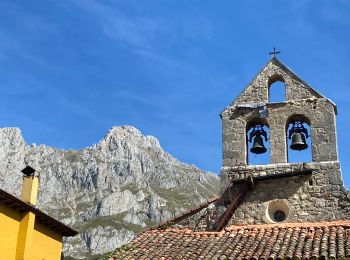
{"x": 41, "y": 217}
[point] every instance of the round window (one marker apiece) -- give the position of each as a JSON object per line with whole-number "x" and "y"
{"x": 277, "y": 211}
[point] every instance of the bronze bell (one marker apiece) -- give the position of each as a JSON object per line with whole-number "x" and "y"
{"x": 258, "y": 145}
{"x": 298, "y": 142}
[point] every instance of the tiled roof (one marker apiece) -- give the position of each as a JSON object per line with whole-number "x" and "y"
{"x": 322, "y": 240}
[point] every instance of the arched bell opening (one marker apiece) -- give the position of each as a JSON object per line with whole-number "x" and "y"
{"x": 277, "y": 89}
{"x": 298, "y": 134}
{"x": 258, "y": 145}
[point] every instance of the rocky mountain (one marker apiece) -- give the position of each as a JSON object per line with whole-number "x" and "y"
{"x": 108, "y": 191}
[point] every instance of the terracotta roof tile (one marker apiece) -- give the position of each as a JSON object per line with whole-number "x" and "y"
{"x": 267, "y": 241}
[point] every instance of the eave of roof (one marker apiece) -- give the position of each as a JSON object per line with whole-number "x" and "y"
{"x": 40, "y": 216}
{"x": 308, "y": 240}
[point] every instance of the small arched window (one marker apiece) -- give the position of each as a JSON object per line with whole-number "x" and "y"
{"x": 299, "y": 140}
{"x": 277, "y": 89}
{"x": 258, "y": 146}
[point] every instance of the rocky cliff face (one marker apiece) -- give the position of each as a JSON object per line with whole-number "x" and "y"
{"x": 108, "y": 191}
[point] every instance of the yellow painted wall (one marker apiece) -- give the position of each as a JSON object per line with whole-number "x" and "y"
{"x": 22, "y": 238}
{"x": 25, "y": 236}
{"x": 46, "y": 244}
{"x": 9, "y": 225}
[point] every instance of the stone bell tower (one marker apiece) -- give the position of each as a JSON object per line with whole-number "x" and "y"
{"x": 280, "y": 190}
{"x": 261, "y": 202}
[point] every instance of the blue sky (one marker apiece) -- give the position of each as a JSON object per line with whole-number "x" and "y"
{"x": 70, "y": 70}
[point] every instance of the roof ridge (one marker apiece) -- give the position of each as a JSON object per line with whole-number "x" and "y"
{"x": 292, "y": 225}
{"x": 186, "y": 230}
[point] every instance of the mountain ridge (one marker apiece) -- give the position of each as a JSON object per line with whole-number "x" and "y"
{"x": 110, "y": 190}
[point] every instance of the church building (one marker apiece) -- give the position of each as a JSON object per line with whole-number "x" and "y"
{"x": 290, "y": 204}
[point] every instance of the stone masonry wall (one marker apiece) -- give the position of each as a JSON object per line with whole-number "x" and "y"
{"x": 258, "y": 90}
{"x": 242, "y": 172}
{"x": 302, "y": 102}
{"x": 310, "y": 191}
{"x": 319, "y": 113}
{"x": 316, "y": 197}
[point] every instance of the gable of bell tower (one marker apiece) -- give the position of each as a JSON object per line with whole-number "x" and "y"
{"x": 252, "y": 107}
{"x": 298, "y": 191}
